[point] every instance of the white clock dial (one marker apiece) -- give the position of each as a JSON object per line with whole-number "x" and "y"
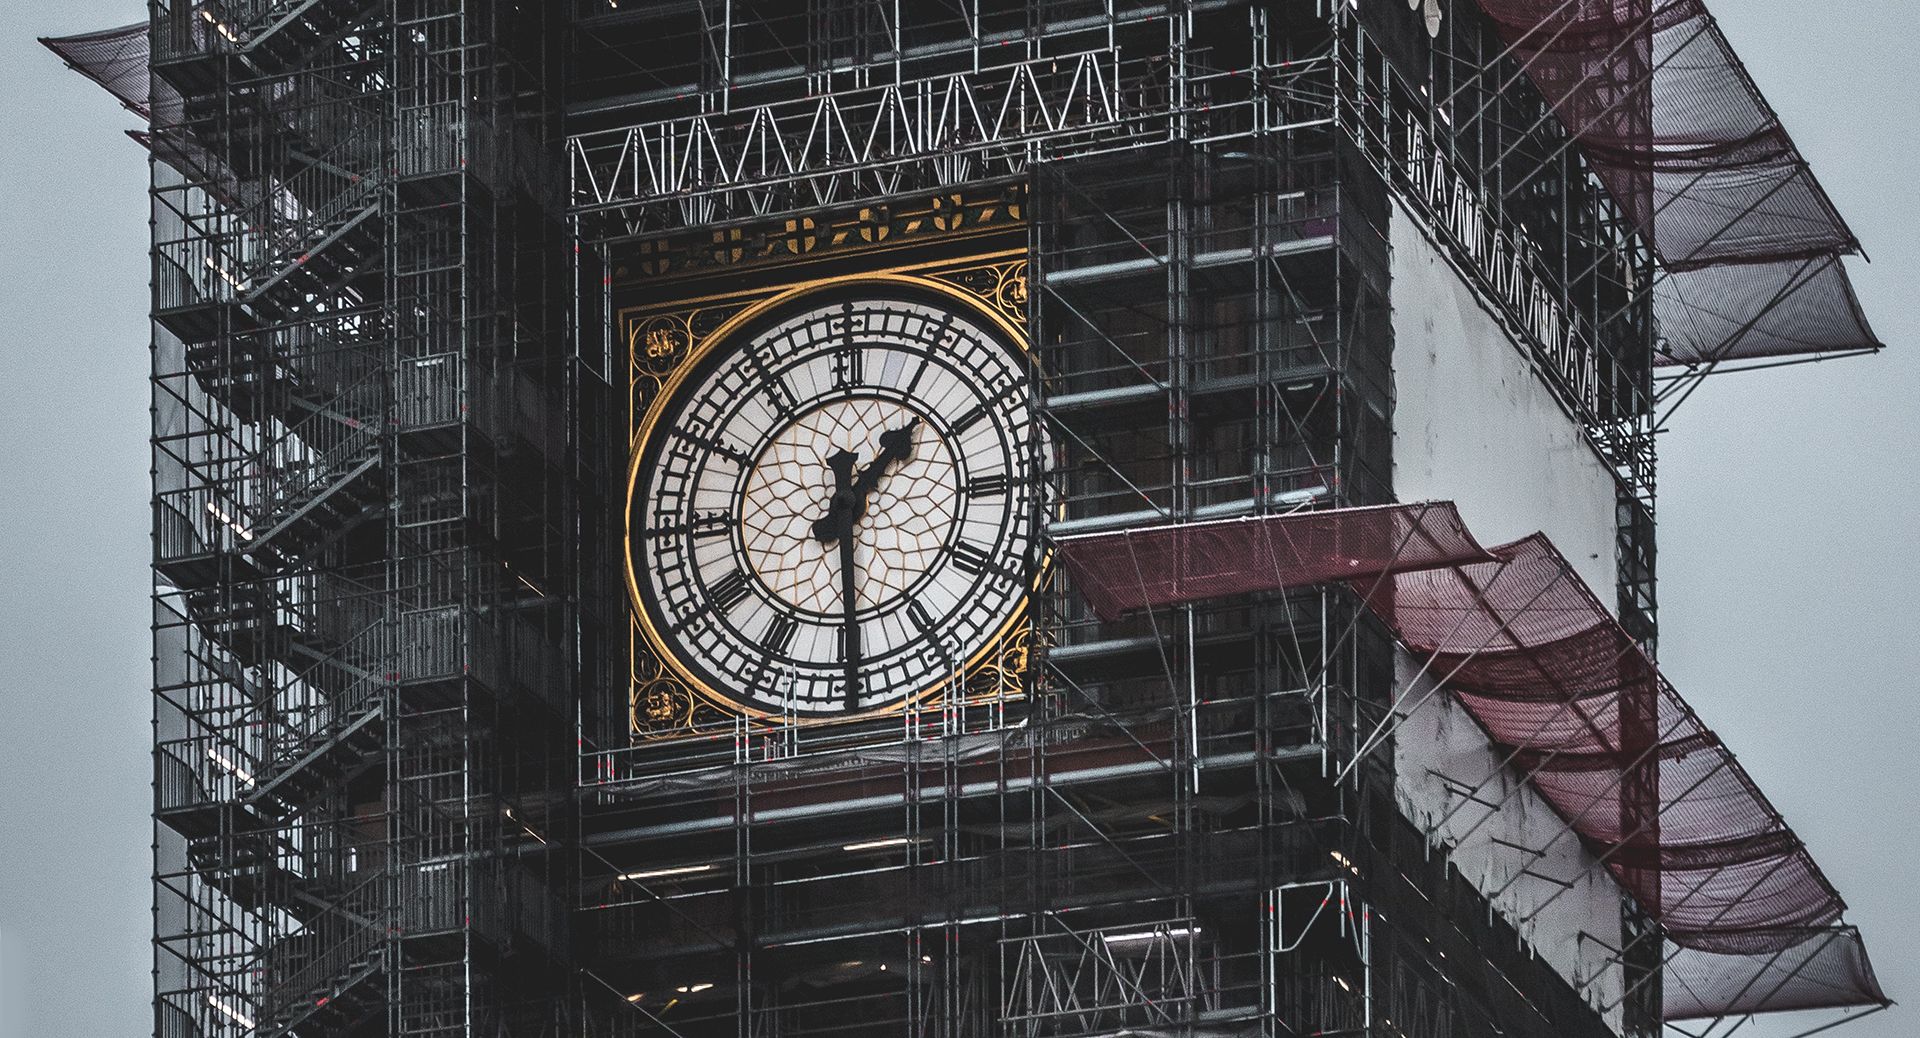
{"x": 833, "y": 508}
{"x": 907, "y": 521}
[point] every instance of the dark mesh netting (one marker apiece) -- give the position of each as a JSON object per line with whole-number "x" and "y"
{"x": 1729, "y": 184}
{"x": 1670, "y": 120}
{"x": 1739, "y": 310}
{"x": 114, "y": 58}
{"x": 117, "y": 59}
{"x": 1814, "y": 969}
{"x": 1522, "y": 642}
{"x": 1132, "y": 569}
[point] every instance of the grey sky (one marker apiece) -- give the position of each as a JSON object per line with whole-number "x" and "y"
{"x": 1789, "y": 553}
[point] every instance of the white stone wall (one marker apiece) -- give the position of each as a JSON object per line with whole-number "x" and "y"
{"x": 1474, "y": 425}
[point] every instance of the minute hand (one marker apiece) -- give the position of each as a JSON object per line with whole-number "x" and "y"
{"x": 850, "y": 624}
{"x": 849, "y": 504}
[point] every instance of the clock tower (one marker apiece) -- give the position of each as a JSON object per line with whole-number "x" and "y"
{"x": 951, "y": 518}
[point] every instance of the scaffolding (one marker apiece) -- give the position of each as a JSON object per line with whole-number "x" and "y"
{"x": 401, "y": 785}
{"x": 366, "y": 594}
{"x": 1166, "y": 826}
{"x": 921, "y": 99}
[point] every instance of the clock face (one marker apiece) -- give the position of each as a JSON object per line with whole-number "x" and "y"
{"x": 831, "y": 510}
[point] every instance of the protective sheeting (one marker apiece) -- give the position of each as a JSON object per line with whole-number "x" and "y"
{"x": 1528, "y": 650}
{"x": 1670, "y": 120}
{"x": 1573, "y": 704}
{"x": 1156, "y": 566}
{"x": 1814, "y": 969}
{"x": 1746, "y": 310}
{"x": 114, "y": 58}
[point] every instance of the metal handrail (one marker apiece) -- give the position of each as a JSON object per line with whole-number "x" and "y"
{"x": 371, "y": 645}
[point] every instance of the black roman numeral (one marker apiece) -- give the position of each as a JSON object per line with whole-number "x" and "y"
{"x": 716, "y": 447}
{"x": 980, "y": 409}
{"x": 918, "y": 374}
{"x": 966, "y": 421}
{"x": 973, "y": 559}
{"x": 781, "y": 395}
{"x": 934, "y": 636}
{"x": 987, "y": 486}
{"x": 728, "y": 590}
{"x": 970, "y": 558}
{"x": 918, "y": 614}
{"x": 849, "y": 367}
{"x": 941, "y": 339}
{"x": 779, "y": 636}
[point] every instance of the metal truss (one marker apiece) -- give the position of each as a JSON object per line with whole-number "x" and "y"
{"x": 1067, "y": 981}
{"x": 853, "y": 145}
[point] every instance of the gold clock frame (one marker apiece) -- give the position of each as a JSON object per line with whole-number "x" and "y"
{"x": 665, "y": 346}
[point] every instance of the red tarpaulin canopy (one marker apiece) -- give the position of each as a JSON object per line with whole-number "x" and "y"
{"x": 1583, "y": 713}
{"x": 1155, "y": 566}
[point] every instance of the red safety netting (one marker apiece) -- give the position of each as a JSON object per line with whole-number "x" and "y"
{"x": 1590, "y": 60}
{"x": 1522, "y": 642}
{"x": 1671, "y": 121}
{"x": 1131, "y": 569}
{"x": 1545, "y": 669}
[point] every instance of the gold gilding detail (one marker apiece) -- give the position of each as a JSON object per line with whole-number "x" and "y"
{"x": 1002, "y": 286}
{"x": 665, "y": 701}
{"x": 1002, "y": 675}
{"x": 905, "y": 221}
{"x": 660, "y": 705}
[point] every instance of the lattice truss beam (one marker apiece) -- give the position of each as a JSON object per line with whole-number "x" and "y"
{"x": 850, "y": 145}
{"x": 1102, "y": 980}
{"x": 1748, "y": 242}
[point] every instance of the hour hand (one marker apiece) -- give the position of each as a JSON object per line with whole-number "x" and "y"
{"x": 841, "y": 507}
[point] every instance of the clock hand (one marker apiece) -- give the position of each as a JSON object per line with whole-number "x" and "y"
{"x": 840, "y": 507}
{"x": 850, "y": 493}
{"x": 849, "y": 605}
{"x": 847, "y": 507}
